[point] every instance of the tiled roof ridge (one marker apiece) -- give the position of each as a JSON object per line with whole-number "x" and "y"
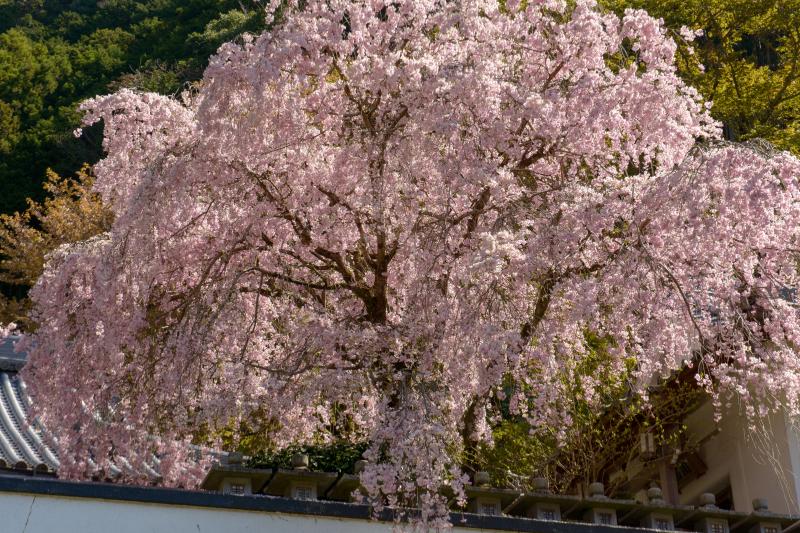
{"x": 10, "y": 359}
{"x": 23, "y": 443}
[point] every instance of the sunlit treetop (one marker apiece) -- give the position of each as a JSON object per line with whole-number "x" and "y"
{"x": 745, "y": 60}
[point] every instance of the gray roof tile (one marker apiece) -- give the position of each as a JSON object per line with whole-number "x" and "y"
{"x": 10, "y": 359}
{"x": 23, "y": 444}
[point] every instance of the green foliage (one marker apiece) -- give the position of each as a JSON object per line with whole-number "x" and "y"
{"x": 32, "y": 73}
{"x": 520, "y": 452}
{"x": 516, "y": 455}
{"x": 603, "y": 433}
{"x": 70, "y": 213}
{"x": 751, "y": 53}
{"x": 338, "y": 456}
{"x": 335, "y": 451}
{"x": 225, "y": 27}
{"x": 54, "y": 54}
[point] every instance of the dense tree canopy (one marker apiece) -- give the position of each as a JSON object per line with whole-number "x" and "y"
{"x": 399, "y": 210}
{"x": 70, "y": 213}
{"x": 55, "y": 54}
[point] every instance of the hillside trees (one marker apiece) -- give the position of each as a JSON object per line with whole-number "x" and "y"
{"x": 30, "y": 73}
{"x": 747, "y": 61}
{"x": 405, "y": 210}
{"x": 71, "y": 213}
{"x": 53, "y": 55}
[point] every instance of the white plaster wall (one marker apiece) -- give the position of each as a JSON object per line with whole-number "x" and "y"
{"x": 763, "y": 464}
{"x": 793, "y": 439}
{"x": 23, "y": 513}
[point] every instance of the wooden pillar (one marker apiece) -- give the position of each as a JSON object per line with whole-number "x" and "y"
{"x": 669, "y": 481}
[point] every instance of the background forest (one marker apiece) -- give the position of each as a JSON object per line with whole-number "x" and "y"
{"x": 54, "y": 54}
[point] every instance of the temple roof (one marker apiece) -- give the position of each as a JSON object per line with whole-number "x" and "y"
{"x": 23, "y": 444}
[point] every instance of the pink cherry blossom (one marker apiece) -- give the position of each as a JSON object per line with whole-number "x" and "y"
{"x": 391, "y": 206}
